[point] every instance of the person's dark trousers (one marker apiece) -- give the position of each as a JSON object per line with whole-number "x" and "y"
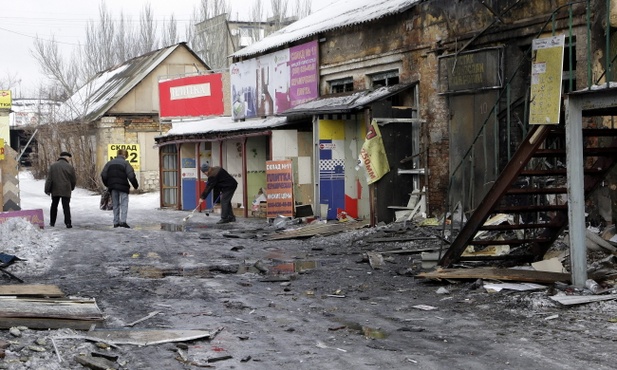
{"x": 66, "y": 209}
{"x": 226, "y": 211}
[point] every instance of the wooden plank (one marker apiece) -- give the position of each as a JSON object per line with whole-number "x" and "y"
{"x": 47, "y": 323}
{"x": 41, "y": 290}
{"x": 318, "y": 229}
{"x": 572, "y": 300}
{"x": 400, "y": 239}
{"x": 76, "y": 313}
{"x": 149, "y": 337}
{"x": 411, "y": 251}
{"x": 497, "y": 274}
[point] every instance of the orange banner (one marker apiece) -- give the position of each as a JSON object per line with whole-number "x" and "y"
{"x": 279, "y": 188}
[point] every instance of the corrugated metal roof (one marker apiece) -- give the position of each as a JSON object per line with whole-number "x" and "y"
{"x": 345, "y": 102}
{"x": 340, "y": 14}
{"x": 105, "y": 89}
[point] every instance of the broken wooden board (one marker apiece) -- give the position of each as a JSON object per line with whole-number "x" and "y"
{"x": 569, "y": 300}
{"x": 31, "y": 290}
{"x": 497, "y": 274}
{"x": 393, "y": 239}
{"x": 318, "y": 229}
{"x": 150, "y": 337}
{"x": 411, "y": 251}
{"x": 49, "y": 313}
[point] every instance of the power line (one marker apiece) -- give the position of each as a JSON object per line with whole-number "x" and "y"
{"x": 36, "y": 37}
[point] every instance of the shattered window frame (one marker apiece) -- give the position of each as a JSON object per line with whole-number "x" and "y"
{"x": 387, "y": 78}
{"x": 341, "y": 85}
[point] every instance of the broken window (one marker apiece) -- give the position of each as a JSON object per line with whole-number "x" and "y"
{"x": 388, "y": 78}
{"x": 341, "y": 85}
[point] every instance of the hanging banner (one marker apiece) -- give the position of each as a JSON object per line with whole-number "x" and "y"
{"x": 546, "y": 79}
{"x": 279, "y": 185}
{"x": 275, "y": 82}
{"x": 373, "y": 155}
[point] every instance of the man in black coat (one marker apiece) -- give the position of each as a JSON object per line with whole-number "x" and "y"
{"x": 220, "y": 179}
{"x": 59, "y": 184}
{"x": 116, "y": 175}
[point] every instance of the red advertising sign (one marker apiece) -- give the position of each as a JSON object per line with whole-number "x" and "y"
{"x": 279, "y": 185}
{"x": 195, "y": 96}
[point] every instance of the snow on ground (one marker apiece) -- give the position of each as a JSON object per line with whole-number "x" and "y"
{"x": 27, "y": 241}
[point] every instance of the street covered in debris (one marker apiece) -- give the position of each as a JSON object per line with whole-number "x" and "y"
{"x": 175, "y": 294}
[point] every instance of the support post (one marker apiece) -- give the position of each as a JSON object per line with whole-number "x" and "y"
{"x": 576, "y": 190}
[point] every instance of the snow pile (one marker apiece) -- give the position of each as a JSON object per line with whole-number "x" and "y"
{"x": 26, "y": 241}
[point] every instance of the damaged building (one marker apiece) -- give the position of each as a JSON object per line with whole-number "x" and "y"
{"x": 452, "y": 90}
{"x": 447, "y": 82}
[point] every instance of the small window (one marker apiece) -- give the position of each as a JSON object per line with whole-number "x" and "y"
{"x": 384, "y": 79}
{"x": 342, "y": 85}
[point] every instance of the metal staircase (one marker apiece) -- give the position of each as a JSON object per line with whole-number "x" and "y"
{"x": 531, "y": 194}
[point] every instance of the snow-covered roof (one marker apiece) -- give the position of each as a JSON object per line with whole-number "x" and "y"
{"x": 218, "y": 125}
{"x": 340, "y": 14}
{"x": 345, "y": 102}
{"x": 26, "y": 112}
{"x": 105, "y": 89}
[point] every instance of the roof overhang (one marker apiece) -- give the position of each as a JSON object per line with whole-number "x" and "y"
{"x": 217, "y": 128}
{"x": 345, "y": 102}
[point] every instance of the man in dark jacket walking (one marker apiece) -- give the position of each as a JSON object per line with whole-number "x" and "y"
{"x": 59, "y": 184}
{"x": 220, "y": 179}
{"x": 116, "y": 175}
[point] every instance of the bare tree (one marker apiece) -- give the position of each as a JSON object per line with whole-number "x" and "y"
{"x": 147, "y": 31}
{"x": 211, "y": 38}
{"x": 108, "y": 43}
{"x": 279, "y": 10}
{"x": 125, "y": 39}
{"x": 64, "y": 74}
{"x": 9, "y": 81}
{"x": 302, "y": 8}
{"x": 98, "y": 50}
{"x": 170, "y": 34}
{"x": 257, "y": 16}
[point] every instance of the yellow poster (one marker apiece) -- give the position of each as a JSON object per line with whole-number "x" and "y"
{"x": 5, "y": 99}
{"x": 133, "y": 157}
{"x": 1, "y": 149}
{"x": 546, "y": 75}
{"x": 373, "y": 154}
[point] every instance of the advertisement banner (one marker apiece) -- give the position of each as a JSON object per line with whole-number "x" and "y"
{"x": 5, "y": 99}
{"x": 279, "y": 188}
{"x": 546, "y": 79}
{"x": 1, "y": 149}
{"x": 275, "y": 82}
{"x": 373, "y": 155}
{"x": 195, "y": 96}
{"x": 133, "y": 157}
